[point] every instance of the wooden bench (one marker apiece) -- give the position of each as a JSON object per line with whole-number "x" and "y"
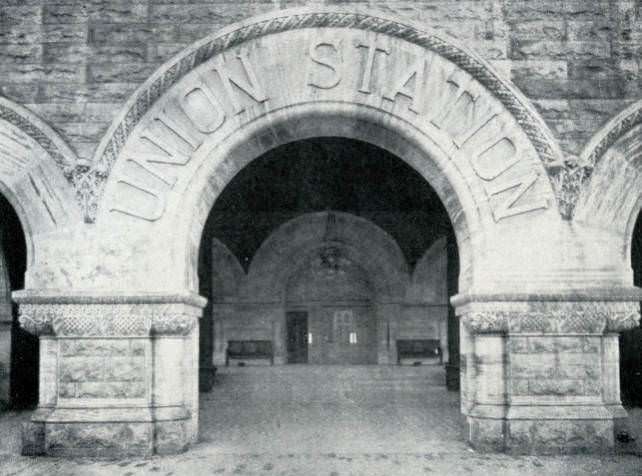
{"x": 249, "y": 350}
{"x": 418, "y": 349}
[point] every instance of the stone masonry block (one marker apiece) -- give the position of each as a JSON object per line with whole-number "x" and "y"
{"x": 67, "y": 389}
{"x": 486, "y": 434}
{"x": 53, "y": 93}
{"x": 539, "y": 30}
{"x": 112, "y": 34}
{"x": 561, "y": 50}
{"x": 94, "y": 347}
{"x": 122, "y": 368}
{"x": 564, "y": 344}
{"x": 522, "y": 363}
{"x": 559, "y": 436}
{"x": 137, "y": 348}
{"x": 519, "y": 387}
{"x": 78, "y": 369}
{"x": 118, "y": 11}
{"x": 98, "y": 439}
{"x": 33, "y": 72}
{"x": 518, "y": 345}
{"x": 19, "y": 14}
{"x": 170, "y": 437}
{"x": 556, "y": 387}
{"x": 20, "y": 53}
{"x": 81, "y": 53}
{"x": 111, "y": 390}
{"x": 119, "y": 72}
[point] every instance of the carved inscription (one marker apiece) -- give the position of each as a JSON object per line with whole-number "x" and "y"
{"x": 328, "y": 77}
{"x": 432, "y": 91}
{"x": 465, "y": 112}
{"x": 173, "y": 135}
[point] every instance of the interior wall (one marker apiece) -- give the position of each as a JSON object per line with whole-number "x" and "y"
{"x": 418, "y": 309}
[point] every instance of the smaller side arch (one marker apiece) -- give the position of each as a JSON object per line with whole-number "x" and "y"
{"x": 38, "y": 173}
{"x": 611, "y": 200}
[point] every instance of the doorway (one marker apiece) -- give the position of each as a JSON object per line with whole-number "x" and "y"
{"x": 297, "y": 337}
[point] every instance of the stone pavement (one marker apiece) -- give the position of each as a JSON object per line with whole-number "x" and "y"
{"x": 332, "y": 421}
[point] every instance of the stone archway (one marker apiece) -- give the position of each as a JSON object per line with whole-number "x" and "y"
{"x": 525, "y": 293}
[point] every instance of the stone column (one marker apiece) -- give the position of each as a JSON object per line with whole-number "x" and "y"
{"x": 539, "y": 373}
{"x": 118, "y": 374}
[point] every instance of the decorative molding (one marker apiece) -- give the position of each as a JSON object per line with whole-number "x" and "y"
{"x": 623, "y": 321}
{"x": 35, "y": 321}
{"x": 173, "y": 319}
{"x": 607, "y": 295}
{"x": 568, "y": 182}
{"x": 100, "y": 316}
{"x": 278, "y": 22}
{"x": 552, "y": 317}
{"x": 486, "y": 322}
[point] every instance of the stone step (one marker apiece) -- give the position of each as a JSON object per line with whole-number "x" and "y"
{"x": 329, "y": 384}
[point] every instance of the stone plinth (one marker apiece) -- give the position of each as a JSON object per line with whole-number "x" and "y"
{"x": 118, "y": 374}
{"x": 540, "y": 374}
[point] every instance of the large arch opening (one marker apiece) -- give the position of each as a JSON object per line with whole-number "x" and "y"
{"x": 329, "y": 252}
{"x": 18, "y": 348}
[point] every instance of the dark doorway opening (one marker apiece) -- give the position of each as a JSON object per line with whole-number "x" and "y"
{"x": 631, "y": 341}
{"x": 330, "y": 174}
{"x": 297, "y": 337}
{"x": 24, "y": 355}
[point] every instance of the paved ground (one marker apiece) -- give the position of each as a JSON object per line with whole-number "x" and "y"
{"x": 333, "y": 421}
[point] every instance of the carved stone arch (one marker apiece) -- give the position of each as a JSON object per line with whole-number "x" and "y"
{"x": 288, "y": 248}
{"x": 611, "y": 198}
{"x": 231, "y": 97}
{"x": 38, "y": 173}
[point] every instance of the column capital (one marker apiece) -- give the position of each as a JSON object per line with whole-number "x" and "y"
{"x": 572, "y": 313}
{"x": 101, "y": 315}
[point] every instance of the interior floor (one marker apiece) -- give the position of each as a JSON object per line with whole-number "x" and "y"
{"x": 312, "y": 409}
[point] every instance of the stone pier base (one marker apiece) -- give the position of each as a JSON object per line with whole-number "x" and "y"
{"x": 118, "y": 374}
{"x": 541, "y": 376}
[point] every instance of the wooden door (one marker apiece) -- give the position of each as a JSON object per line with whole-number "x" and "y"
{"x": 297, "y": 337}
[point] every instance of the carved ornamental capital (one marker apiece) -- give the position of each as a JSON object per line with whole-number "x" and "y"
{"x": 623, "y": 320}
{"x": 173, "y": 320}
{"x": 35, "y": 320}
{"x": 551, "y": 317}
{"x": 485, "y": 322}
{"x": 109, "y": 316}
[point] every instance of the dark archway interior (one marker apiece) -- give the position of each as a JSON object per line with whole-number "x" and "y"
{"x": 324, "y": 174}
{"x": 24, "y": 346}
{"x": 631, "y": 341}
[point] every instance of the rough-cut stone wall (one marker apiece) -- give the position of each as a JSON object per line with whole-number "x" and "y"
{"x": 75, "y": 63}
